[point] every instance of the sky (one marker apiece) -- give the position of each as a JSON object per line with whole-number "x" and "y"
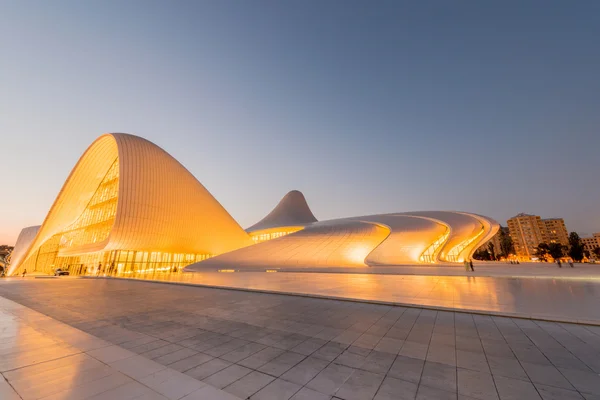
{"x": 365, "y": 107}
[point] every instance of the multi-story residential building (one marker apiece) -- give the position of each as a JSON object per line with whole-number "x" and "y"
{"x": 590, "y": 243}
{"x": 526, "y": 233}
{"x": 555, "y": 231}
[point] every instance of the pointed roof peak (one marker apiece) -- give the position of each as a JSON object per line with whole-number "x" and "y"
{"x": 292, "y": 210}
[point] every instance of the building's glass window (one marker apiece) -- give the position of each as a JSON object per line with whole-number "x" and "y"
{"x": 430, "y": 254}
{"x": 96, "y": 221}
{"x": 263, "y": 237}
{"x": 453, "y": 254}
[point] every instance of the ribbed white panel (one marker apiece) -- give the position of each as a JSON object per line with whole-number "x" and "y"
{"x": 161, "y": 206}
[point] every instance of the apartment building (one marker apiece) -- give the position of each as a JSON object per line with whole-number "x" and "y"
{"x": 555, "y": 231}
{"x": 590, "y": 243}
{"x": 528, "y": 231}
{"x": 525, "y": 233}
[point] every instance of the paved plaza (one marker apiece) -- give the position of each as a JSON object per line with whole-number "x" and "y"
{"x": 268, "y": 346}
{"x": 541, "y": 291}
{"x": 41, "y": 358}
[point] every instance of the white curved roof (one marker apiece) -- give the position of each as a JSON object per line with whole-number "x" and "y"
{"x": 292, "y": 210}
{"x": 373, "y": 240}
{"x": 154, "y": 204}
{"x": 340, "y": 243}
{"x": 161, "y": 206}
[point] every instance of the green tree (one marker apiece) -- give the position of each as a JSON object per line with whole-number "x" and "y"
{"x": 541, "y": 251}
{"x": 506, "y": 244}
{"x": 556, "y": 250}
{"x": 575, "y": 247}
{"x": 491, "y": 250}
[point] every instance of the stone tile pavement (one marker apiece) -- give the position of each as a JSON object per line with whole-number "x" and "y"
{"x": 573, "y": 299}
{"x": 266, "y": 346}
{"x": 41, "y": 358}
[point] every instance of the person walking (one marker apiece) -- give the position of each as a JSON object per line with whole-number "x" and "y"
{"x": 471, "y": 265}
{"x": 570, "y": 263}
{"x": 24, "y": 273}
{"x": 559, "y": 264}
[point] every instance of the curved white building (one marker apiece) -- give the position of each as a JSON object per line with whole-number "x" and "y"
{"x": 291, "y": 214}
{"x": 24, "y": 240}
{"x": 129, "y": 206}
{"x": 372, "y": 240}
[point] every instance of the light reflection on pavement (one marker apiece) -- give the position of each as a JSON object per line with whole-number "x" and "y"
{"x": 569, "y": 300}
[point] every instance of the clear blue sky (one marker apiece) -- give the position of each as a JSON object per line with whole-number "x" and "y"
{"x": 366, "y": 107}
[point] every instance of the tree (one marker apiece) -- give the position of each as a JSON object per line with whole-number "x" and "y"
{"x": 556, "y": 250}
{"x": 482, "y": 255}
{"x": 575, "y": 247}
{"x": 506, "y": 243}
{"x": 596, "y": 251}
{"x": 491, "y": 251}
{"x": 542, "y": 250}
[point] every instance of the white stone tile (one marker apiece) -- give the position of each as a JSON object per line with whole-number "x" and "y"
{"x": 171, "y": 384}
{"x": 111, "y": 354}
{"x": 210, "y": 393}
{"x": 137, "y": 367}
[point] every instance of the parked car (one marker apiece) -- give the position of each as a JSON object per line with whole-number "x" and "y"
{"x": 60, "y": 272}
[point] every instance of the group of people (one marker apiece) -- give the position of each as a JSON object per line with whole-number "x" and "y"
{"x": 109, "y": 270}
{"x": 560, "y": 264}
{"x": 469, "y": 264}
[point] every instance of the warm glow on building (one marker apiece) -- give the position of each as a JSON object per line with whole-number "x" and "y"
{"x": 128, "y": 207}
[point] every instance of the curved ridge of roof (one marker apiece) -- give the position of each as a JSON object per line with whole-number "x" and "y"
{"x": 292, "y": 210}
{"x": 160, "y": 206}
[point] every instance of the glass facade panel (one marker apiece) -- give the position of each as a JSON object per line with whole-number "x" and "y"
{"x": 454, "y": 253}
{"x": 430, "y": 255}
{"x": 96, "y": 221}
{"x": 262, "y": 236}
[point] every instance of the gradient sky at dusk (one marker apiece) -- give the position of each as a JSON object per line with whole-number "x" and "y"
{"x": 366, "y": 107}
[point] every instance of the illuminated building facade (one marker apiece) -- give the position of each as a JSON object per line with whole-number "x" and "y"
{"x": 128, "y": 207}
{"x": 528, "y": 231}
{"x": 555, "y": 231}
{"x": 373, "y": 240}
{"x": 290, "y": 215}
{"x": 590, "y": 243}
